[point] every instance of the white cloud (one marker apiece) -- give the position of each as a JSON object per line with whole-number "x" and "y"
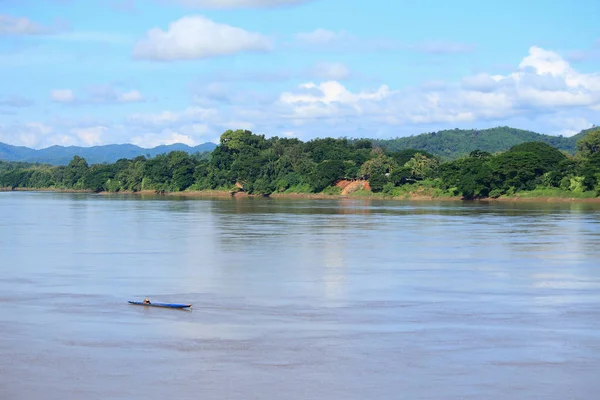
{"x": 239, "y": 3}
{"x": 62, "y": 95}
{"x": 568, "y": 126}
{"x": 545, "y": 80}
{"x": 329, "y": 100}
{"x": 331, "y": 92}
{"x": 195, "y": 129}
{"x": 197, "y": 37}
{"x": 108, "y": 94}
{"x": 90, "y": 136}
{"x": 330, "y": 71}
{"x": 97, "y": 94}
{"x": 320, "y": 37}
{"x": 29, "y": 134}
{"x": 132, "y": 96}
{"x": 165, "y": 137}
{"x": 156, "y": 119}
{"x": 10, "y": 25}
{"x": 166, "y": 118}
{"x": 543, "y": 83}
{"x": 543, "y": 93}
{"x": 545, "y": 62}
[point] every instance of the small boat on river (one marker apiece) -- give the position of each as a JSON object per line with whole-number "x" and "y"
{"x": 165, "y": 305}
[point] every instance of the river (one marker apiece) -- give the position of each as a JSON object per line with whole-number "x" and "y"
{"x": 297, "y": 299}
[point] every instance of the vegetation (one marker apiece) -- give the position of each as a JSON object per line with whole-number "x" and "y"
{"x": 446, "y": 145}
{"x": 256, "y": 165}
{"x": 455, "y": 143}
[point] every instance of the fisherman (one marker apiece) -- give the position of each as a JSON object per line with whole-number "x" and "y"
{"x": 146, "y": 301}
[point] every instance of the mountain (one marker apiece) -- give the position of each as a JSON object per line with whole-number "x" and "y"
{"x": 447, "y": 144}
{"x": 451, "y": 144}
{"x": 60, "y": 155}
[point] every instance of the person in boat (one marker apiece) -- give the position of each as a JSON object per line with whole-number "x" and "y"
{"x": 146, "y": 301}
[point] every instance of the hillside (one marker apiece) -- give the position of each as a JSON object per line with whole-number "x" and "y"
{"x": 60, "y": 155}
{"x": 256, "y": 165}
{"x": 447, "y": 144}
{"x": 451, "y": 144}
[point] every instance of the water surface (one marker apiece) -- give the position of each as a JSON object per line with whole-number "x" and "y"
{"x": 297, "y": 299}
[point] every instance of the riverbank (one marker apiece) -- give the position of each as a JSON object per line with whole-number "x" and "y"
{"x": 55, "y": 190}
{"x": 409, "y": 196}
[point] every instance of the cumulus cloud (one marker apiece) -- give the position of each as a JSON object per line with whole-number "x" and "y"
{"x": 197, "y": 37}
{"x": 29, "y": 134}
{"x": 224, "y": 4}
{"x": 91, "y": 135}
{"x": 543, "y": 83}
{"x": 546, "y": 80}
{"x": 331, "y": 92}
{"x": 543, "y": 93}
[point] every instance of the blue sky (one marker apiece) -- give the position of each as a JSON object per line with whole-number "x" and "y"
{"x": 149, "y": 72}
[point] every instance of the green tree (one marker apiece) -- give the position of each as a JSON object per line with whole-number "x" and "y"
{"x": 516, "y": 170}
{"x": 403, "y": 156}
{"x": 422, "y": 167}
{"x": 377, "y": 178}
{"x": 75, "y": 172}
{"x": 182, "y": 167}
{"x": 98, "y": 177}
{"x": 548, "y": 155}
{"x": 589, "y": 144}
{"x": 327, "y": 173}
{"x": 157, "y": 174}
{"x": 380, "y": 163}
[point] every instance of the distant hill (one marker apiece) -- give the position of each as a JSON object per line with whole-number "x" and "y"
{"x": 447, "y": 144}
{"x": 60, "y": 155}
{"x": 450, "y": 144}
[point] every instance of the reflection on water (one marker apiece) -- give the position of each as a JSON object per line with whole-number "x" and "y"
{"x": 297, "y": 299}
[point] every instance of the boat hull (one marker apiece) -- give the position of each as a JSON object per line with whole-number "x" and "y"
{"x": 164, "y": 305}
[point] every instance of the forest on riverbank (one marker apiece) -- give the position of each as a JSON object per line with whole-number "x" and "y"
{"x": 253, "y": 164}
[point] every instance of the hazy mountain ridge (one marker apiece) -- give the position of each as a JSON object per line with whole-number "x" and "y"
{"x": 61, "y": 155}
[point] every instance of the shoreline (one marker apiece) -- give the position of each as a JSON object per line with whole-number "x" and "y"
{"x": 318, "y": 196}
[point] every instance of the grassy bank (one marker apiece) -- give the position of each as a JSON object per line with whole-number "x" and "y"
{"x": 407, "y": 192}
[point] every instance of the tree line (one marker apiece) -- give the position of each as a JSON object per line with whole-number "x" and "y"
{"x": 258, "y": 165}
